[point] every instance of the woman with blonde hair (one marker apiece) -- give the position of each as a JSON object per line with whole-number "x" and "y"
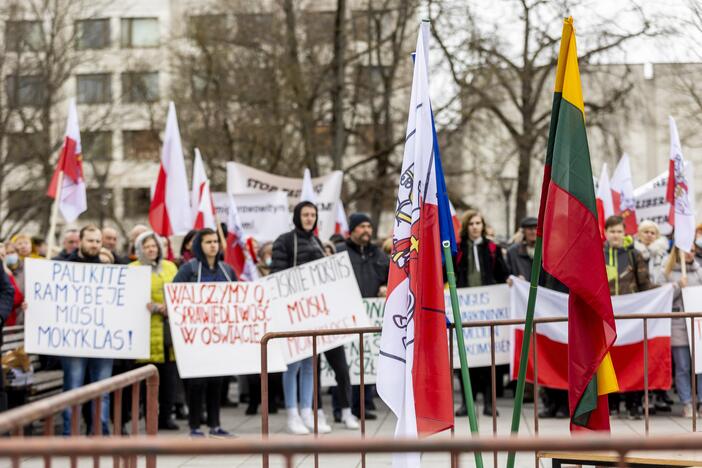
{"x": 651, "y": 245}
{"x": 670, "y": 271}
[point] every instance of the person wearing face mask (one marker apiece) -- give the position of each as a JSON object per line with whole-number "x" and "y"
{"x": 479, "y": 262}
{"x": 13, "y": 263}
{"x": 670, "y": 271}
{"x": 16, "y": 316}
{"x": 265, "y": 259}
{"x": 291, "y": 249}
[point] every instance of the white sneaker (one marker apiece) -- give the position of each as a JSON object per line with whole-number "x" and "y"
{"x": 349, "y": 420}
{"x": 295, "y": 424}
{"x": 308, "y": 419}
{"x": 687, "y": 411}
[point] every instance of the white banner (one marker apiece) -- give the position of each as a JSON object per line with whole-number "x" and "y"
{"x": 651, "y": 203}
{"x": 217, "y": 328}
{"x": 318, "y": 295}
{"x": 692, "y": 300}
{"x": 264, "y": 216}
{"x": 87, "y": 309}
{"x": 477, "y": 304}
{"x": 243, "y": 179}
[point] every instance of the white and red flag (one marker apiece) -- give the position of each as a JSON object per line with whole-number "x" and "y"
{"x": 307, "y": 193}
{"x": 682, "y": 207}
{"x": 603, "y": 200}
{"x": 455, "y": 221}
{"x": 623, "y": 194}
{"x": 236, "y": 253}
{"x": 201, "y": 197}
{"x": 170, "y": 211}
{"x": 73, "y": 200}
{"x": 341, "y": 226}
{"x": 414, "y": 378}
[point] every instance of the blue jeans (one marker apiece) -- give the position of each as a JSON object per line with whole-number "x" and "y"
{"x": 74, "y": 370}
{"x": 304, "y": 368}
{"x": 682, "y": 360}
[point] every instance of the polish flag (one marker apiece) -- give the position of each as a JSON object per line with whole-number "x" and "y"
{"x": 236, "y": 253}
{"x": 623, "y": 194}
{"x": 604, "y": 201}
{"x": 170, "y": 211}
{"x": 201, "y": 197}
{"x": 342, "y": 225}
{"x": 455, "y": 221}
{"x": 69, "y": 169}
{"x": 682, "y": 211}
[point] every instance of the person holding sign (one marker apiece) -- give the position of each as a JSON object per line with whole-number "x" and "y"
{"x": 149, "y": 251}
{"x": 207, "y": 266}
{"x": 7, "y": 294}
{"x": 291, "y": 249}
{"x": 76, "y": 368}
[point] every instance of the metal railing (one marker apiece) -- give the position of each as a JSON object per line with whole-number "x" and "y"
{"x": 289, "y": 447}
{"x": 492, "y": 324}
{"x": 15, "y": 420}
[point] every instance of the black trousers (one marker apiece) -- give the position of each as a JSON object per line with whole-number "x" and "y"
{"x": 209, "y": 389}
{"x": 275, "y": 389}
{"x": 337, "y": 360}
{"x": 480, "y": 382}
{"x": 168, "y": 375}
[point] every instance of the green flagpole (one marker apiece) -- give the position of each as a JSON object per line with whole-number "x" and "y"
{"x": 526, "y": 344}
{"x": 465, "y": 377}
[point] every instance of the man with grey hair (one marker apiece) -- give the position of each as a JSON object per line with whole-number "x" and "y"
{"x": 110, "y": 240}
{"x": 69, "y": 244}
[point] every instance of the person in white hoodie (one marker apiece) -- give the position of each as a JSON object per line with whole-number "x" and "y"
{"x": 671, "y": 272}
{"x": 653, "y": 248}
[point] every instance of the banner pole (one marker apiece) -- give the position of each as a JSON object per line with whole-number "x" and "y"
{"x": 51, "y": 241}
{"x": 465, "y": 376}
{"x": 526, "y": 344}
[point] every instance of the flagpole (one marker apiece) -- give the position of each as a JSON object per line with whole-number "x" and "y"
{"x": 465, "y": 376}
{"x": 526, "y": 344}
{"x": 51, "y": 242}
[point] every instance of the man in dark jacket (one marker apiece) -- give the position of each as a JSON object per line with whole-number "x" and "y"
{"x": 70, "y": 242}
{"x": 371, "y": 267}
{"x": 520, "y": 256}
{"x": 206, "y": 267}
{"x": 7, "y": 295}
{"x": 75, "y": 369}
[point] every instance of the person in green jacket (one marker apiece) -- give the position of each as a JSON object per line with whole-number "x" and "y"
{"x": 149, "y": 252}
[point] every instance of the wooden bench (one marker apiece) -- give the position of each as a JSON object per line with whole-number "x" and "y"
{"x": 45, "y": 383}
{"x": 561, "y": 459}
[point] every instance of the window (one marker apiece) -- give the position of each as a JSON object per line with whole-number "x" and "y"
{"x": 100, "y": 203}
{"x": 23, "y": 35}
{"x": 24, "y": 147}
{"x": 253, "y": 28}
{"x": 93, "y": 34}
{"x": 319, "y": 27}
{"x": 140, "y": 86}
{"x": 94, "y": 89}
{"x": 25, "y": 90}
{"x": 365, "y": 24}
{"x": 136, "y": 202}
{"x": 96, "y": 146}
{"x": 207, "y": 28}
{"x": 139, "y": 32}
{"x": 370, "y": 80}
{"x": 141, "y": 145}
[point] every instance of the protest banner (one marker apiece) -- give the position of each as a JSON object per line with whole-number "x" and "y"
{"x": 242, "y": 179}
{"x": 217, "y": 328}
{"x": 651, "y": 201}
{"x": 692, "y": 302}
{"x": 263, "y": 216}
{"x": 627, "y": 352}
{"x": 87, "y": 309}
{"x": 318, "y": 295}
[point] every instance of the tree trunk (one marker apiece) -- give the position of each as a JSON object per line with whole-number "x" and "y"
{"x": 523, "y": 172}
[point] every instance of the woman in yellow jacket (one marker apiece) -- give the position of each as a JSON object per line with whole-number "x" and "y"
{"x": 149, "y": 252}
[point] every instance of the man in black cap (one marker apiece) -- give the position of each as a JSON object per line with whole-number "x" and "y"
{"x": 371, "y": 266}
{"x": 521, "y": 255}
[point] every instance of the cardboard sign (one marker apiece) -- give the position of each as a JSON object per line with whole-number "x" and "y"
{"x": 217, "y": 328}
{"x": 692, "y": 301}
{"x": 318, "y": 295}
{"x": 87, "y": 309}
{"x": 243, "y": 179}
{"x": 651, "y": 199}
{"x": 477, "y": 304}
{"x": 263, "y": 216}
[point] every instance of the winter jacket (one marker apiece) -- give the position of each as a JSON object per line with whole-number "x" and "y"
{"x": 370, "y": 265}
{"x": 62, "y": 256}
{"x": 678, "y": 327}
{"x": 162, "y": 272}
{"x": 627, "y": 271}
{"x": 519, "y": 263}
{"x": 198, "y": 270}
{"x": 298, "y": 246}
{"x": 491, "y": 263}
{"x": 653, "y": 253}
{"x": 16, "y": 316}
{"x": 76, "y": 257}
{"x": 7, "y": 294}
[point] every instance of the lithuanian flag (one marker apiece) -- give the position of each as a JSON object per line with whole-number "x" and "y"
{"x": 572, "y": 246}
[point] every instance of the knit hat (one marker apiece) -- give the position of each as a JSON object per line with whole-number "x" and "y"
{"x": 529, "y": 222}
{"x": 357, "y": 218}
